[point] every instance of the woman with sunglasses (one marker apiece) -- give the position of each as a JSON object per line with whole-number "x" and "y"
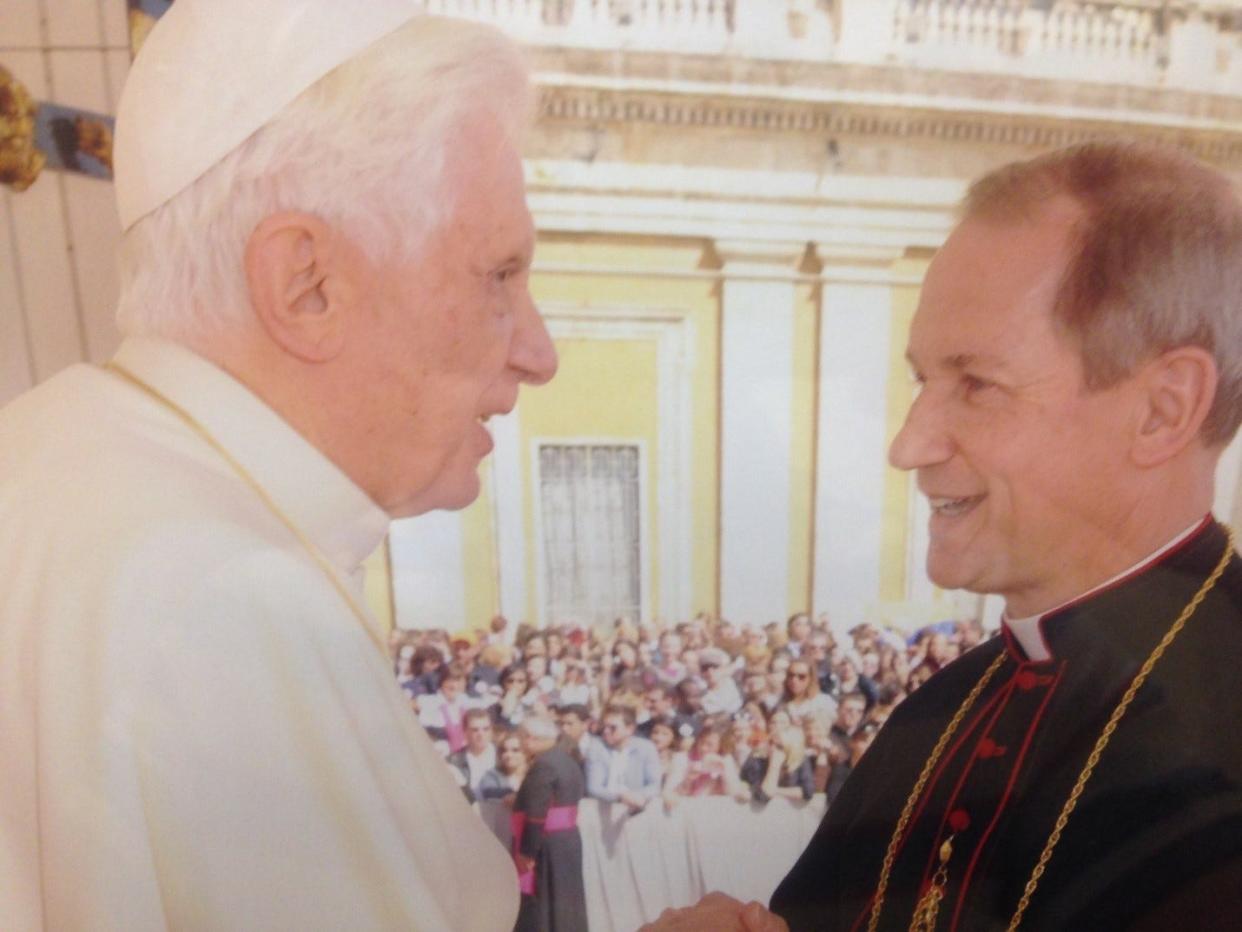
{"x": 801, "y": 698}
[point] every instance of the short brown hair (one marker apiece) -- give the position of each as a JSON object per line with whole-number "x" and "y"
{"x": 473, "y": 715}
{"x": 625, "y": 712}
{"x": 452, "y": 671}
{"x": 1155, "y": 262}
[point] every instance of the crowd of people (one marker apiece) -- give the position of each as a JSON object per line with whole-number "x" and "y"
{"x": 651, "y": 711}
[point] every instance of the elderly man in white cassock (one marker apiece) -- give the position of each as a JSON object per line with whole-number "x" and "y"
{"x": 325, "y": 265}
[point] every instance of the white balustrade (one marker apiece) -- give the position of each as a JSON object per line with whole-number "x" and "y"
{"x": 1092, "y": 40}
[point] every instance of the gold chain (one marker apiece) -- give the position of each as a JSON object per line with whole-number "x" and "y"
{"x": 928, "y": 906}
{"x": 1111, "y": 726}
{"x": 927, "y": 911}
{"x": 891, "y": 854}
{"x": 244, "y": 474}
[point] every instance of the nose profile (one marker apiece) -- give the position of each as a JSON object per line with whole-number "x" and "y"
{"x": 922, "y": 440}
{"x": 532, "y": 353}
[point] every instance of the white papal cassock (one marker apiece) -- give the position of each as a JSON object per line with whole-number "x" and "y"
{"x": 195, "y": 731}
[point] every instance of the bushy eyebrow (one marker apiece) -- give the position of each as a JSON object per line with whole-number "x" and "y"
{"x": 960, "y": 362}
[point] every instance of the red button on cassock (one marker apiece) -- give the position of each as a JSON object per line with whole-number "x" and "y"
{"x": 989, "y": 748}
{"x": 1026, "y": 680}
{"x": 959, "y": 820}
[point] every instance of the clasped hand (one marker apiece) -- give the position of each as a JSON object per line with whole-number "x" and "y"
{"x": 718, "y": 912}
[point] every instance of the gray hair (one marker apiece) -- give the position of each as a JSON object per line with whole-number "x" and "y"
{"x": 540, "y": 728}
{"x": 1156, "y": 261}
{"x": 364, "y": 149}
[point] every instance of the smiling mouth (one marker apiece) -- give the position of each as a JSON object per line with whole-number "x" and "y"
{"x": 953, "y": 507}
{"x": 501, "y": 412}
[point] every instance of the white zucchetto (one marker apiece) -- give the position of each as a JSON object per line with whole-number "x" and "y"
{"x": 212, "y": 72}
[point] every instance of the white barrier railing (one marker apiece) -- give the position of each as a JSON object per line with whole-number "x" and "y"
{"x": 1093, "y": 40}
{"x": 636, "y": 866}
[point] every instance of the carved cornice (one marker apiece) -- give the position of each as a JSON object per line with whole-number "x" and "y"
{"x": 1039, "y": 131}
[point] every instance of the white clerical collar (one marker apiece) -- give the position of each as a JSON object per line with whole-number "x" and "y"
{"x": 336, "y": 515}
{"x": 1030, "y": 635}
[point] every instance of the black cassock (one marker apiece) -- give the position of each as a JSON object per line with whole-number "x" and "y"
{"x": 554, "y": 781}
{"x": 1156, "y": 839}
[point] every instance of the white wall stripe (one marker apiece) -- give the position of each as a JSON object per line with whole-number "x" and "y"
{"x": 756, "y": 399}
{"x": 849, "y": 484}
{"x": 428, "y": 571}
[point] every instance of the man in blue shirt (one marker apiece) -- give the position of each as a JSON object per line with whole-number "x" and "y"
{"x": 622, "y": 767}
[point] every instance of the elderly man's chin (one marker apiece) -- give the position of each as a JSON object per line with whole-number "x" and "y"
{"x": 451, "y": 491}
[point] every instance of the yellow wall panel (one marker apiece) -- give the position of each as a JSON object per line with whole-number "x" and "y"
{"x": 478, "y": 540}
{"x": 633, "y": 276}
{"x": 604, "y": 389}
{"x": 802, "y": 452}
{"x": 705, "y": 469}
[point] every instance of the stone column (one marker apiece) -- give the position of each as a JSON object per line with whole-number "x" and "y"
{"x": 428, "y": 571}
{"x": 854, "y": 362}
{"x": 756, "y": 402}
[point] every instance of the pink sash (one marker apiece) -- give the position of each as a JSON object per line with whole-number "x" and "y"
{"x": 453, "y": 730}
{"x": 558, "y": 819}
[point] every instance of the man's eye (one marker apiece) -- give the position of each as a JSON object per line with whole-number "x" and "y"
{"x": 972, "y": 385}
{"x": 506, "y": 274}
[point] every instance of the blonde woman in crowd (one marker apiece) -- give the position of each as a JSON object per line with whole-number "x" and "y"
{"x": 787, "y": 772}
{"x": 802, "y": 697}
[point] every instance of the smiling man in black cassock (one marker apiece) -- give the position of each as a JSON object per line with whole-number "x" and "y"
{"x": 1078, "y": 347}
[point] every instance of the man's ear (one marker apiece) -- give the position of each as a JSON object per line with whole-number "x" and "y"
{"x": 1177, "y": 390}
{"x": 297, "y": 281}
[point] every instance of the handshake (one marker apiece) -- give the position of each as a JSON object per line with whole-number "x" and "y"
{"x": 717, "y": 912}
